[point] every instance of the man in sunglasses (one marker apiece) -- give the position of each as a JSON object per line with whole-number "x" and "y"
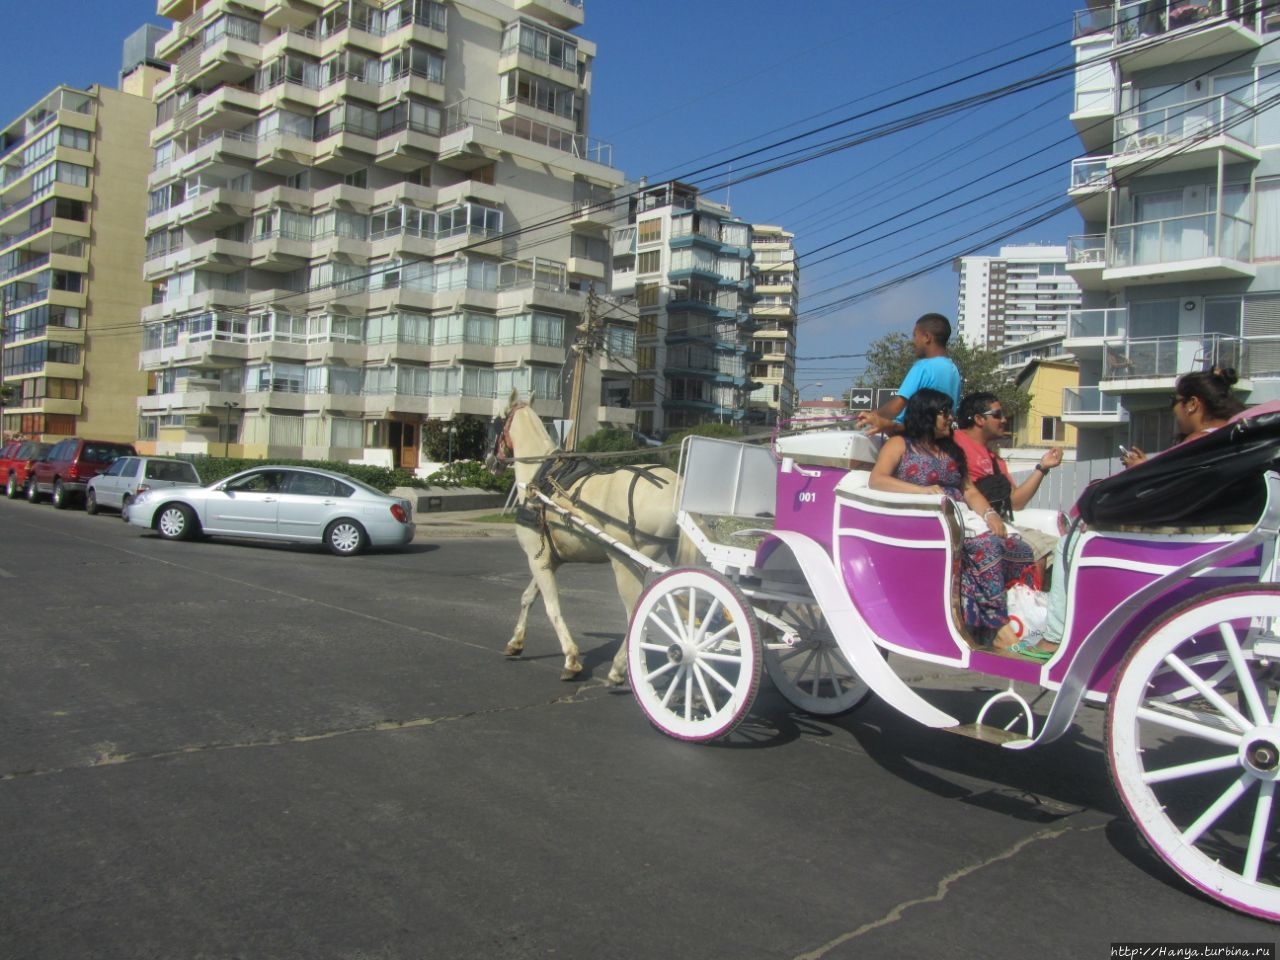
{"x": 981, "y": 424}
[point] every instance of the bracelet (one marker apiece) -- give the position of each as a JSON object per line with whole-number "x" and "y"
{"x": 1043, "y": 469}
{"x": 990, "y": 511}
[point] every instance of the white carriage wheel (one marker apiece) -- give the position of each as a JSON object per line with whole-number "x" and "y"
{"x": 806, "y": 664}
{"x": 693, "y": 650}
{"x": 1193, "y": 743}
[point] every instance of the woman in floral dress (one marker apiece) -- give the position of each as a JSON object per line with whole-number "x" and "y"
{"x": 925, "y": 459}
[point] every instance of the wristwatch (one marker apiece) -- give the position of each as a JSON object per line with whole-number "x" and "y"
{"x": 1043, "y": 469}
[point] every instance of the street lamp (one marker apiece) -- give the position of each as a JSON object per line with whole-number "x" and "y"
{"x": 804, "y": 386}
{"x": 226, "y": 439}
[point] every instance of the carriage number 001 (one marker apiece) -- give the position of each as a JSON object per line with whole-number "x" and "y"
{"x": 807, "y": 497}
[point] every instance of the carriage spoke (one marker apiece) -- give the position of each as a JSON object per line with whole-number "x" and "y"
{"x": 1247, "y": 685}
{"x": 716, "y": 675}
{"x": 708, "y": 642}
{"x": 702, "y": 685}
{"x": 1206, "y": 691}
{"x": 665, "y": 668}
{"x": 1217, "y": 809}
{"x": 1195, "y": 769}
{"x": 720, "y": 657}
{"x": 673, "y": 685}
{"x": 1258, "y": 837}
{"x": 688, "y": 694}
{"x": 1186, "y": 725}
{"x": 698, "y": 627}
{"x": 671, "y": 630}
{"x": 679, "y": 612}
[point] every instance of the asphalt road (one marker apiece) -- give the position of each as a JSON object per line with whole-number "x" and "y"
{"x": 218, "y": 750}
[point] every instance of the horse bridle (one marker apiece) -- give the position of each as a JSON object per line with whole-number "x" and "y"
{"x": 502, "y": 447}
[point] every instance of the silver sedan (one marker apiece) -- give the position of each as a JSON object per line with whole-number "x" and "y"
{"x": 292, "y": 504}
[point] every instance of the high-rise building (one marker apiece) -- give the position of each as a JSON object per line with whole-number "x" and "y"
{"x": 364, "y": 216}
{"x": 1024, "y": 292}
{"x": 72, "y": 197}
{"x": 774, "y": 312}
{"x": 1179, "y": 260}
{"x": 687, "y": 262}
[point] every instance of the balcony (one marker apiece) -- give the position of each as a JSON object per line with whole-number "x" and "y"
{"x": 565, "y": 14}
{"x": 1090, "y": 407}
{"x": 292, "y": 13}
{"x": 1091, "y": 328}
{"x": 1154, "y": 363}
{"x": 1091, "y": 183}
{"x": 1157, "y": 33}
{"x": 1190, "y": 135}
{"x": 1086, "y": 260}
{"x": 1197, "y": 246}
{"x": 474, "y": 131}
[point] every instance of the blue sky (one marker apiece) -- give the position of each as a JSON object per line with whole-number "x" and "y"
{"x": 681, "y": 88}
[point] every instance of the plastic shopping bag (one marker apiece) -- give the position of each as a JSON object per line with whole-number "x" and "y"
{"x": 1028, "y": 611}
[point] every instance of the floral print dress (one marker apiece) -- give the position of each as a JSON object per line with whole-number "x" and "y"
{"x": 989, "y": 561}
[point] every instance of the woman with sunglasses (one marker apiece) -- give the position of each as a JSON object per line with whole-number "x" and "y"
{"x": 1202, "y": 402}
{"x": 926, "y": 457}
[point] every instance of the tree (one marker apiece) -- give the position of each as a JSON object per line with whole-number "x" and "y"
{"x": 608, "y": 440}
{"x": 890, "y": 357}
{"x": 467, "y": 443}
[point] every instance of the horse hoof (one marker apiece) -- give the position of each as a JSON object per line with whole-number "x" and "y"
{"x": 512, "y": 651}
{"x": 615, "y": 680}
{"x": 570, "y": 674}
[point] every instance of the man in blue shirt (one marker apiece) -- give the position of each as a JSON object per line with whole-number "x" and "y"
{"x": 933, "y": 368}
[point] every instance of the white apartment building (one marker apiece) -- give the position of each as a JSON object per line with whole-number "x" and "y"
{"x": 1179, "y": 190}
{"x": 774, "y": 312}
{"x": 686, "y": 262}
{"x": 1023, "y": 293}
{"x": 364, "y": 216}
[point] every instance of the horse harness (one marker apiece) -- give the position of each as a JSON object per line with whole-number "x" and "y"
{"x": 562, "y": 479}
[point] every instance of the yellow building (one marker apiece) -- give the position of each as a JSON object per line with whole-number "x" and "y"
{"x": 73, "y": 173}
{"x": 1042, "y": 426}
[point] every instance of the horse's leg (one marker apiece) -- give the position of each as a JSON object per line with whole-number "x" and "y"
{"x": 546, "y": 580}
{"x": 630, "y": 584}
{"x": 515, "y": 646}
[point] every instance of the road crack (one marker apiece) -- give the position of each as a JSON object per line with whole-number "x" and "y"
{"x": 940, "y": 891}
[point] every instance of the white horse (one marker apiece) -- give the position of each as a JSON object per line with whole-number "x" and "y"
{"x": 634, "y": 505}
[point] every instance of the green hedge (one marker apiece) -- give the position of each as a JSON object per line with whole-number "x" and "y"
{"x": 463, "y": 473}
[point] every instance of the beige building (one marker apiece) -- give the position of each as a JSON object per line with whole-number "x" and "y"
{"x": 1043, "y": 426}
{"x": 73, "y": 174}
{"x": 774, "y": 312}
{"x": 364, "y": 216}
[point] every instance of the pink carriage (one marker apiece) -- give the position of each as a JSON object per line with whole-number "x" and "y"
{"x": 815, "y": 578}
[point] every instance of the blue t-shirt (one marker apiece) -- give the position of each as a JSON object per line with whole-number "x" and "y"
{"x": 937, "y": 373}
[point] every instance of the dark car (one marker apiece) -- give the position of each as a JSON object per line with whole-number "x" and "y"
{"x": 15, "y": 468}
{"x": 65, "y": 471}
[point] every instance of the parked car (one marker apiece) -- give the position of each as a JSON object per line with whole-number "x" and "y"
{"x": 294, "y": 504}
{"x": 15, "y": 470}
{"x": 65, "y": 470}
{"x": 129, "y": 476}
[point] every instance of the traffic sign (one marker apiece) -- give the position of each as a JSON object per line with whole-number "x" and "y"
{"x": 884, "y": 395}
{"x": 860, "y": 400}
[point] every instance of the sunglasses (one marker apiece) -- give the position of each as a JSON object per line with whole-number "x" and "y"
{"x": 998, "y": 414}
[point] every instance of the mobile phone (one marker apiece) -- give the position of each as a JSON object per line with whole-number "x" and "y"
{"x": 1124, "y": 451}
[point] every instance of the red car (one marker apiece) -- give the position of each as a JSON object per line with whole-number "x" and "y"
{"x": 15, "y": 465}
{"x": 64, "y": 471}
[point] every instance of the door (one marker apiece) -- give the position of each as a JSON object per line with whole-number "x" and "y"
{"x": 403, "y": 440}
{"x": 110, "y": 487}
{"x": 308, "y": 503}
{"x": 247, "y": 505}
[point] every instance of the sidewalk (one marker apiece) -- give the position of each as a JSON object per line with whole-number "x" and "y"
{"x": 445, "y": 524}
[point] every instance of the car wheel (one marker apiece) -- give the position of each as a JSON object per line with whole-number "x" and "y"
{"x": 11, "y": 489}
{"x": 61, "y": 499}
{"x": 124, "y": 507}
{"x": 175, "y": 521}
{"x": 345, "y": 538}
{"x": 91, "y": 502}
{"x": 33, "y": 492}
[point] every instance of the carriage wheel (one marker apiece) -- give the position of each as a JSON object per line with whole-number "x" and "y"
{"x": 693, "y": 648}
{"x": 1193, "y": 741}
{"x": 805, "y": 662}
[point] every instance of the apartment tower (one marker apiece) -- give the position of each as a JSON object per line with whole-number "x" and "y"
{"x": 1179, "y": 191}
{"x": 364, "y": 216}
{"x": 1023, "y": 293}
{"x": 73, "y": 172}
{"x": 774, "y": 313}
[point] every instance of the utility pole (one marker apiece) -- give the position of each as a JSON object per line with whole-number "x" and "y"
{"x": 583, "y": 347}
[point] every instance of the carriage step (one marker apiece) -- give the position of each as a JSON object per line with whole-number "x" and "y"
{"x": 986, "y": 733}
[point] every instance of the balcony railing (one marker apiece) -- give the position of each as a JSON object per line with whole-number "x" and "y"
{"x": 1141, "y": 19}
{"x": 1109, "y": 322}
{"x": 1188, "y": 120}
{"x": 1093, "y": 21}
{"x": 1188, "y": 237}
{"x": 1167, "y": 357}
{"x": 477, "y": 113}
{"x": 1088, "y": 249}
{"x": 1090, "y": 173}
{"x": 1081, "y": 401}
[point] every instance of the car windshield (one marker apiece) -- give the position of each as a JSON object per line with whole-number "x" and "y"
{"x": 104, "y": 453}
{"x": 33, "y": 450}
